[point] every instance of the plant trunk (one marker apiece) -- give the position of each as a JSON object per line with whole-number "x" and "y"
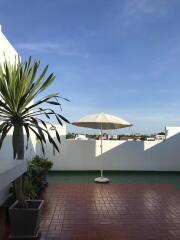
{"x": 18, "y": 142}
{"x": 18, "y": 148}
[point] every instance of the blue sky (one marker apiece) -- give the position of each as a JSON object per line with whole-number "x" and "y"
{"x": 119, "y": 57}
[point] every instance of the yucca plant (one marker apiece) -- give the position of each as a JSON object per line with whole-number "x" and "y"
{"x": 22, "y": 109}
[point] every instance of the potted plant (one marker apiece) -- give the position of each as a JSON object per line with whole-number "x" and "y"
{"x": 37, "y": 172}
{"x": 39, "y": 169}
{"x": 19, "y": 86}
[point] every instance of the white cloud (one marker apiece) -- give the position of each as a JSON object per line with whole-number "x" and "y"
{"x": 48, "y": 47}
{"x": 133, "y": 11}
{"x": 146, "y": 7}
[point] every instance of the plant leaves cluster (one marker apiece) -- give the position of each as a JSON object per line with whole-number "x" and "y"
{"x": 35, "y": 178}
{"x": 20, "y": 86}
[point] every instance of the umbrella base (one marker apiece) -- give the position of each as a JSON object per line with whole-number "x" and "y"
{"x": 101, "y": 180}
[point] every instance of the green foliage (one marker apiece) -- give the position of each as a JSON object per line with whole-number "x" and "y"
{"x": 70, "y": 135}
{"x": 35, "y": 178}
{"x": 161, "y": 133}
{"x": 143, "y": 137}
{"x": 29, "y": 190}
{"x": 41, "y": 163}
{"x": 19, "y": 86}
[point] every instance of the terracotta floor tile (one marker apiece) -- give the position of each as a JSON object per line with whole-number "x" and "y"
{"x": 110, "y": 211}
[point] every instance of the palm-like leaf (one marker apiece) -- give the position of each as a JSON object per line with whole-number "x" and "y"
{"x": 19, "y": 86}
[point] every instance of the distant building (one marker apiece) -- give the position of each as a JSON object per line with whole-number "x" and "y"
{"x": 127, "y": 138}
{"x": 160, "y": 137}
{"x": 81, "y": 137}
{"x": 150, "y": 138}
{"x": 112, "y": 137}
{"x": 104, "y": 137}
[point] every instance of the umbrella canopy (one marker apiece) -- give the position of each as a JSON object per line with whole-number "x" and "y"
{"x": 102, "y": 121}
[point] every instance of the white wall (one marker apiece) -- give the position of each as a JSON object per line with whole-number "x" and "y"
{"x": 48, "y": 148}
{"x": 9, "y": 169}
{"x": 118, "y": 155}
{"x": 6, "y": 49}
{"x": 6, "y": 153}
{"x": 171, "y": 131}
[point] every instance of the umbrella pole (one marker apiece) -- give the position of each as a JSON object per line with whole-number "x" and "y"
{"x": 101, "y": 155}
{"x": 101, "y": 179}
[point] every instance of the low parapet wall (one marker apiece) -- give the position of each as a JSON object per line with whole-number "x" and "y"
{"x": 118, "y": 155}
{"x": 9, "y": 171}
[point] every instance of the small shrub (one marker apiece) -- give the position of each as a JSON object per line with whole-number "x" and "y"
{"x": 36, "y": 177}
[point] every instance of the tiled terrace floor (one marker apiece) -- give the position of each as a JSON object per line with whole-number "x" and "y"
{"x": 111, "y": 212}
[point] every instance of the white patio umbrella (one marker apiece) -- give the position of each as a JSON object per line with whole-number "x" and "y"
{"x": 102, "y": 121}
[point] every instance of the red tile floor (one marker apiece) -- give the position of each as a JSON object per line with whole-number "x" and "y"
{"x": 111, "y": 212}
{"x": 4, "y": 229}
